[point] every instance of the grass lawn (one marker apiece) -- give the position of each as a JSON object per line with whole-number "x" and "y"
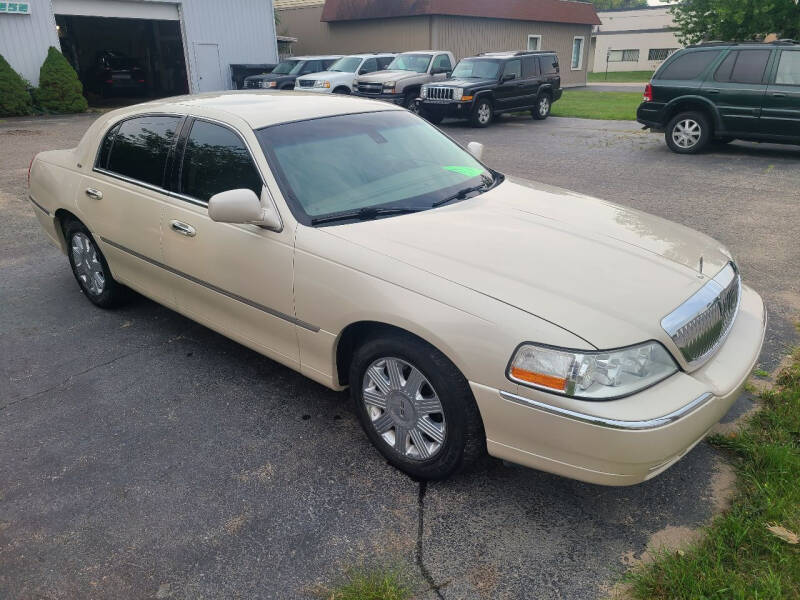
{"x": 621, "y": 77}
{"x": 619, "y": 106}
{"x": 368, "y": 585}
{"x": 751, "y": 551}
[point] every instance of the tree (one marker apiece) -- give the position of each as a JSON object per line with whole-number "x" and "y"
{"x": 14, "y": 97}
{"x": 60, "y": 90}
{"x": 727, "y": 20}
{"x": 612, "y": 4}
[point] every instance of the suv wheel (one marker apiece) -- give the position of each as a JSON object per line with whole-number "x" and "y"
{"x": 482, "y": 114}
{"x": 542, "y": 109}
{"x": 688, "y": 133}
{"x": 410, "y": 102}
{"x": 416, "y": 407}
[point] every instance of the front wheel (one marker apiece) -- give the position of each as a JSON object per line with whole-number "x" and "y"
{"x": 410, "y": 102}
{"x": 416, "y": 407}
{"x": 482, "y": 114}
{"x": 688, "y": 133}
{"x": 542, "y": 109}
{"x": 90, "y": 267}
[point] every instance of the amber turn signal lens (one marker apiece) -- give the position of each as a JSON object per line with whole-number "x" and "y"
{"x": 556, "y": 383}
{"x": 466, "y": 98}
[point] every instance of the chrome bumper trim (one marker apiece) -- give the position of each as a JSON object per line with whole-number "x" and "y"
{"x": 611, "y": 423}
{"x": 39, "y": 206}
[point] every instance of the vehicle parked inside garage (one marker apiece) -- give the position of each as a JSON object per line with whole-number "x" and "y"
{"x": 113, "y": 73}
{"x": 402, "y": 80}
{"x": 493, "y": 83}
{"x": 283, "y": 76}
{"x": 717, "y": 92}
{"x": 340, "y": 77}
{"x": 357, "y": 244}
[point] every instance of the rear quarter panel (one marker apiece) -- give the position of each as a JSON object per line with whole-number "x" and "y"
{"x": 54, "y": 183}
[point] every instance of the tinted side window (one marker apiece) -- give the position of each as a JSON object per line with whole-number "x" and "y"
{"x": 788, "y": 68}
{"x": 370, "y": 66}
{"x": 689, "y": 66}
{"x": 327, "y": 63}
{"x": 105, "y": 148}
{"x": 442, "y": 62}
{"x": 513, "y": 67}
{"x": 311, "y": 66}
{"x": 530, "y": 67}
{"x": 744, "y": 66}
{"x": 216, "y": 160}
{"x": 549, "y": 64}
{"x": 141, "y": 148}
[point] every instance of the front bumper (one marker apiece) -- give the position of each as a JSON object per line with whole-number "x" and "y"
{"x": 393, "y": 98}
{"x": 627, "y": 441}
{"x": 316, "y": 90}
{"x": 447, "y": 108}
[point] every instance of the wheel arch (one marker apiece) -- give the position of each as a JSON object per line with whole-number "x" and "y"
{"x": 342, "y": 89}
{"x": 693, "y": 103}
{"x": 61, "y": 216}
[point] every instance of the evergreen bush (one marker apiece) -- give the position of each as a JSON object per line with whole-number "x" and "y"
{"x": 15, "y": 100}
{"x": 60, "y": 90}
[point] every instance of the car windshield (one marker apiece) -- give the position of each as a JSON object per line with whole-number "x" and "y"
{"x": 348, "y": 64}
{"x": 370, "y": 161}
{"x": 285, "y": 67}
{"x": 411, "y": 62}
{"x": 477, "y": 69}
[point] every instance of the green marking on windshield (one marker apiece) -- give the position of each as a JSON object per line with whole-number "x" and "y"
{"x": 468, "y": 171}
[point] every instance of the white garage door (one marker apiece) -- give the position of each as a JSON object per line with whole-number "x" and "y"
{"x": 117, "y": 8}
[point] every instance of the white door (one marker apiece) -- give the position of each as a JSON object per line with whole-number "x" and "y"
{"x": 209, "y": 71}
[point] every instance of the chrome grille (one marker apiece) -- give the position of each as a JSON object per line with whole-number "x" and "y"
{"x": 253, "y": 83}
{"x": 700, "y": 325}
{"x": 306, "y": 83}
{"x": 440, "y": 93}
{"x": 370, "y": 88}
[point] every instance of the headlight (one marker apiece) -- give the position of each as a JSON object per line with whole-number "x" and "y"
{"x": 389, "y": 86}
{"x": 458, "y": 93}
{"x": 424, "y": 92}
{"x": 602, "y": 375}
{"x": 322, "y": 84}
{"x": 270, "y": 84}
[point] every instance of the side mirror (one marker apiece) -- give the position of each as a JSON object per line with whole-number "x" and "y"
{"x": 476, "y": 149}
{"x": 243, "y": 207}
{"x": 509, "y": 77}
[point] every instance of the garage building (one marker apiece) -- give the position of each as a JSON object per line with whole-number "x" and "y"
{"x": 178, "y": 46}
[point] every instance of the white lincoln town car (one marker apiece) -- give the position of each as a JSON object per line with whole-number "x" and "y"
{"x": 467, "y": 312}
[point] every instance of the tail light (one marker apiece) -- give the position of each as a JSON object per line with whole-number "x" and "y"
{"x": 648, "y": 93}
{"x": 30, "y": 166}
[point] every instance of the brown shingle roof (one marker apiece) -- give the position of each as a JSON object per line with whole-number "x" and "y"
{"x": 552, "y": 11}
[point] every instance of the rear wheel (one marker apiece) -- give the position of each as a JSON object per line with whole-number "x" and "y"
{"x": 416, "y": 407}
{"x": 688, "y": 133}
{"x": 482, "y": 114}
{"x": 90, "y": 267}
{"x": 542, "y": 109}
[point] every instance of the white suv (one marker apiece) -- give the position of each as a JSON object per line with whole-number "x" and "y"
{"x": 340, "y": 77}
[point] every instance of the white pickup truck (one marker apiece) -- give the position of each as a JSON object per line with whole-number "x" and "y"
{"x": 340, "y": 77}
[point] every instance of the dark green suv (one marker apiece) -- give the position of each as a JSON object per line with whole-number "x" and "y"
{"x": 717, "y": 92}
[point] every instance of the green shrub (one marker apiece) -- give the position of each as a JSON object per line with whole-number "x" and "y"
{"x": 60, "y": 90}
{"x": 14, "y": 97}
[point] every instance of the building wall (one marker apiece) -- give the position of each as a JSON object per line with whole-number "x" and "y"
{"x": 464, "y": 36}
{"x": 467, "y": 36}
{"x": 351, "y": 37}
{"x": 641, "y": 29}
{"x": 244, "y": 35}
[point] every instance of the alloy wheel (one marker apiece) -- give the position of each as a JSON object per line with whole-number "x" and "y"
{"x": 544, "y": 106}
{"x": 88, "y": 267}
{"x": 484, "y": 113}
{"x": 686, "y": 133}
{"x": 404, "y": 408}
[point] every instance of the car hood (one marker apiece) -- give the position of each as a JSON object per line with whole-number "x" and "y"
{"x": 464, "y": 82}
{"x": 384, "y": 76}
{"x": 607, "y": 273}
{"x": 328, "y": 75}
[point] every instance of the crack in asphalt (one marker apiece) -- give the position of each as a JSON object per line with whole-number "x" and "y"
{"x": 426, "y": 574}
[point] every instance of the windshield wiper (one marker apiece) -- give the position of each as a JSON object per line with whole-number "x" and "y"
{"x": 461, "y": 194}
{"x": 365, "y": 214}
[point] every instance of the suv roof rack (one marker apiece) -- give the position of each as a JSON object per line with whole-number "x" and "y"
{"x": 782, "y": 42}
{"x": 510, "y": 53}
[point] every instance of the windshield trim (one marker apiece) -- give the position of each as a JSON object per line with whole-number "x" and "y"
{"x": 425, "y": 70}
{"x": 293, "y": 204}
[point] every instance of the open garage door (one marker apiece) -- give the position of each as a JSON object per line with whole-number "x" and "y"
{"x": 123, "y": 51}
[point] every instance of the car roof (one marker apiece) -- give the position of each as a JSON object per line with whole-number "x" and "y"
{"x": 426, "y": 52}
{"x": 315, "y": 57}
{"x": 512, "y": 53}
{"x": 370, "y": 55}
{"x": 258, "y": 108}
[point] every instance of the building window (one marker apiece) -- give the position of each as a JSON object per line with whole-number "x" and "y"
{"x": 623, "y": 56}
{"x": 534, "y": 43}
{"x": 577, "y": 53}
{"x": 660, "y": 53}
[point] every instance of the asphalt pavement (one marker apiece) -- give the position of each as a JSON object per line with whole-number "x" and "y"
{"x": 144, "y": 456}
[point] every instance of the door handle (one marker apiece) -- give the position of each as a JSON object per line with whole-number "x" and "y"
{"x": 778, "y": 95}
{"x": 94, "y": 194}
{"x": 183, "y": 228}
{"x": 713, "y": 91}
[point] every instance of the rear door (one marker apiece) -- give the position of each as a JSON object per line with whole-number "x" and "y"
{"x": 531, "y": 80}
{"x": 737, "y": 88}
{"x": 123, "y": 198}
{"x": 780, "y": 114}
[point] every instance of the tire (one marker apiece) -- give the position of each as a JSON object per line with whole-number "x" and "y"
{"x": 442, "y": 431}
{"x": 688, "y": 133}
{"x": 482, "y": 114}
{"x": 542, "y": 109}
{"x": 410, "y": 102}
{"x": 90, "y": 268}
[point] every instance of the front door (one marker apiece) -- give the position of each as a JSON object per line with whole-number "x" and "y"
{"x": 737, "y": 89}
{"x": 122, "y": 200}
{"x": 508, "y": 92}
{"x": 209, "y": 71}
{"x": 236, "y": 279}
{"x": 780, "y": 114}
